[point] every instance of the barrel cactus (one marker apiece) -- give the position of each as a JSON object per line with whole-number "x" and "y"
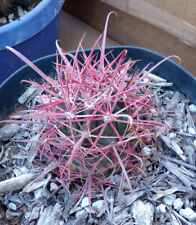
{"x": 94, "y": 115}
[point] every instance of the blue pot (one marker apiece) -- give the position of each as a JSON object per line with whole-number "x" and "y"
{"x": 183, "y": 81}
{"x": 33, "y": 35}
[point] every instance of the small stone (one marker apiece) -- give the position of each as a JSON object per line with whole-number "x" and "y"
{"x": 161, "y": 209}
{"x": 142, "y": 212}
{"x": 192, "y": 108}
{"x": 24, "y": 170}
{"x": 146, "y": 151}
{"x": 188, "y": 214}
{"x": 99, "y": 207}
{"x": 177, "y": 204}
{"x": 192, "y": 204}
{"x": 53, "y": 186}
{"x": 85, "y": 202}
{"x": 12, "y": 206}
{"x": 81, "y": 213}
{"x": 3, "y": 20}
{"x": 192, "y": 130}
{"x": 11, "y": 16}
{"x": 27, "y": 215}
{"x": 38, "y": 193}
{"x": 169, "y": 199}
{"x": 20, "y": 11}
{"x": 172, "y": 135}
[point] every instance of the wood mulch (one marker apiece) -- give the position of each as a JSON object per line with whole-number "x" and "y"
{"x": 164, "y": 190}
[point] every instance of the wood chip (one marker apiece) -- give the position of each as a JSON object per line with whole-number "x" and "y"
{"x": 154, "y": 77}
{"x": 168, "y": 192}
{"x": 8, "y": 131}
{"x": 16, "y": 183}
{"x": 25, "y": 96}
{"x": 177, "y": 161}
{"x": 174, "y": 146}
{"x": 33, "y": 186}
{"x": 51, "y": 216}
{"x": 174, "y": 101}
{"x": 176, "y": 171}
{"x": 127, "y": 200}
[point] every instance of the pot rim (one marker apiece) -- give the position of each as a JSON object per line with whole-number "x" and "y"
{"x": 183, "y": 81}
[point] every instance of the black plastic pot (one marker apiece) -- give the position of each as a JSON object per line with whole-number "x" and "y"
{"x": 183, "y": 81}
